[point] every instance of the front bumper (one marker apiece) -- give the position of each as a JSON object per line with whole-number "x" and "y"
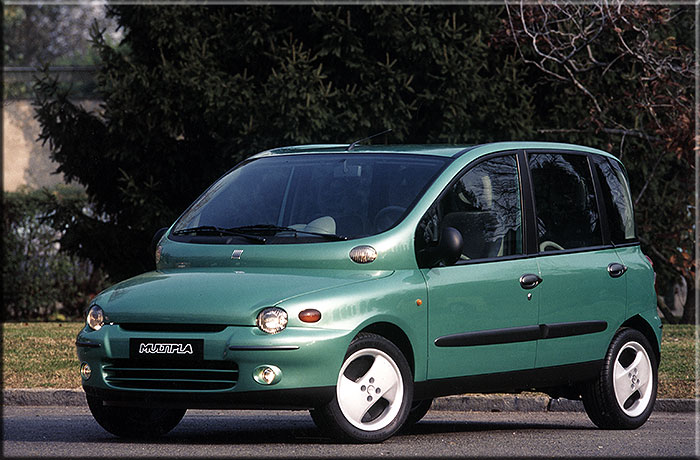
{"x": 309, "y": 360}
{"x": 292, "y": 399}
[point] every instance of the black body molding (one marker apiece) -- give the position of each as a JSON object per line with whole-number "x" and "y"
{"x": 520, "y": 334}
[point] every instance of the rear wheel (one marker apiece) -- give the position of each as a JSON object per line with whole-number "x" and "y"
{"x": 134, "y": 422}
{"x": 623, "y": 395}
{"x": 373, "y": 393}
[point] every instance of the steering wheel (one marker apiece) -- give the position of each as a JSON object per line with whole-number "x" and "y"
{"x": 549, "y": 244}
{"x": 387, "y": 217}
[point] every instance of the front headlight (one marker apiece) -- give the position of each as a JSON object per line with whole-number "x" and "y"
{"x": 95, "y": 318}
{"x": 272, "y": 320}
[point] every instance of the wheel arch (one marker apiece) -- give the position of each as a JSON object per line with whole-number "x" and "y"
{"x": 398, "y": 337}
{"x": 638, "y": 323}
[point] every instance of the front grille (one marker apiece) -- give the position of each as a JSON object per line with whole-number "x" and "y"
{"x": 172, "y": 375}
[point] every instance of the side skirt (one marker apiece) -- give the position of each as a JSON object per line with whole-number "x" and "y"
{"x": 506, "y": 382}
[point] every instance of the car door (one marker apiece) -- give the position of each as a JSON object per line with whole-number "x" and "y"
{"x": 583, "y": 290}
{"x": 481, "y": 319}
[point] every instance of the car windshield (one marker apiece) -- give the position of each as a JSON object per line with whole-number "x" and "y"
{"x": 309, "y": 198}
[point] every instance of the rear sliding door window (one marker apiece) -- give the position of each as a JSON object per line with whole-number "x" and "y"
{"x": 565, "y": 202}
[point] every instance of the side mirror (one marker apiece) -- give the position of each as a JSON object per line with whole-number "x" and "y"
{"x": 448, "y": 249}
{"x": 154, "y": 241}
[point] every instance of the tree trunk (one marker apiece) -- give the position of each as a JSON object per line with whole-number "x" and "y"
{"x": 663, "y": 308}
{"x": 690, "y": 305}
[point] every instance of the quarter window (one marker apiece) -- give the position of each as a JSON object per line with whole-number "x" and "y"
{"x": 617, "y": 200}
{"x": 565, "y": 202}
{"x": 484, "y": 205}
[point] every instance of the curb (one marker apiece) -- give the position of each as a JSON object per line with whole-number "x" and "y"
{"x": 508, "y": 403}
{"x": 468, "y": 402}
{"x": 43, "y": 397}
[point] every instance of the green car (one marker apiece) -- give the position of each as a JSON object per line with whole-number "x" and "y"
{"x": 360, "y": 282}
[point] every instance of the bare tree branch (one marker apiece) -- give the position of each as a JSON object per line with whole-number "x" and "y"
{"x": 624, "y": 132}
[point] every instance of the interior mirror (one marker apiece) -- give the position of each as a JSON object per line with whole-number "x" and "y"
{"x": 346, "y": 170}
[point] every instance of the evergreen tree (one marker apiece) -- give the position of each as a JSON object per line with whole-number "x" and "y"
{"x": 190, "y": 91}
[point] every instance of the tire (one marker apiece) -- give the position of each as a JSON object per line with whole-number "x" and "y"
{"x": 417, "y": 412}
{"x": 623, "y": 395}
{"x": 134, "y": 422}
{"x": 373, "y": 394}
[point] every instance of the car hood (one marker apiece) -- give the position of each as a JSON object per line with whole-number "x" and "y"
{"x": 215, "y": 296}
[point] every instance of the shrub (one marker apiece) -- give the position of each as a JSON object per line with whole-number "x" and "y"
{"x": 41, "y": 282}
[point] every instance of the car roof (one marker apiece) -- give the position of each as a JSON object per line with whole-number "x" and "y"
{"x": 425, "y": 149}
{"x": 443, "y": 150}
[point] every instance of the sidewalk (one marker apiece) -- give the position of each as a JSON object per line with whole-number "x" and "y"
{"x": 471, "y": 402}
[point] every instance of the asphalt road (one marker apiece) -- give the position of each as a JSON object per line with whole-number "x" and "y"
{"x": 40, "y": 431}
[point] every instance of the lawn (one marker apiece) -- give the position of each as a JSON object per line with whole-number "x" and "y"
{"x": 42, "y": 355}
{"x": 677, "y": 369}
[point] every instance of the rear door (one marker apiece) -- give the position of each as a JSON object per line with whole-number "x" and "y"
{"x": 582, "y": 296}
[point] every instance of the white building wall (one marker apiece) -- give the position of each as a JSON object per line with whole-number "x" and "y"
{"x": 24, "y": 160}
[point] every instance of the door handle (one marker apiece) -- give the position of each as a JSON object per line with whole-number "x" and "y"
{"x": 616, "y": 270}
{"x": 529, "y": 281}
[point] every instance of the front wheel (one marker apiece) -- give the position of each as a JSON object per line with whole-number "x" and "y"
{"x": 623, "y": 395}
{"x": 418, "y": 410}
{"x": 373, "y": 394}
{"x": 134, "y": 422}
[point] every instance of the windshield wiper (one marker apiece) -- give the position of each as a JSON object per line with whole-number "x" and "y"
{"x": 220, "y": 231}
{"x": 277, "y": 228}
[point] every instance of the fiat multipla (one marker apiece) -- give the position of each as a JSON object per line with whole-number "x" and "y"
{"x": 360, "y": 282}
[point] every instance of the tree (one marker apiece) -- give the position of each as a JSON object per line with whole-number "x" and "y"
{"x": 57, "y": 35}
{"x": 190, "y": 91}
{"x": 39, "y": 34}
{"x": 620, "y": 77}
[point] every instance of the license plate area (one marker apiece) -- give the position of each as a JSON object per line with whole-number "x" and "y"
{"x": 167, "y": 349}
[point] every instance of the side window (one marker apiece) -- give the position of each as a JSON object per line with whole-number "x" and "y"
{"x": 484, "y": 205}
{"x": 565, "y": 202}
{"x": 617, "y": 200}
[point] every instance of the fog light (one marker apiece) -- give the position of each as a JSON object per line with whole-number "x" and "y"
{"x": 85, "y": 371}
{"x": 267, "y": 374}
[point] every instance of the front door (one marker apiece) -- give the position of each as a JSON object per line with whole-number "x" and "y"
{"x": 481, "y": 318}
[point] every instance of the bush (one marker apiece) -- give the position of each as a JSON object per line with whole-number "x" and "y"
{"x": 41, "y": 282}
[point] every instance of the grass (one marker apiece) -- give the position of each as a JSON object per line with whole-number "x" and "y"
{"x": 677, "y": 368}
{"x": 42, "y": 355}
